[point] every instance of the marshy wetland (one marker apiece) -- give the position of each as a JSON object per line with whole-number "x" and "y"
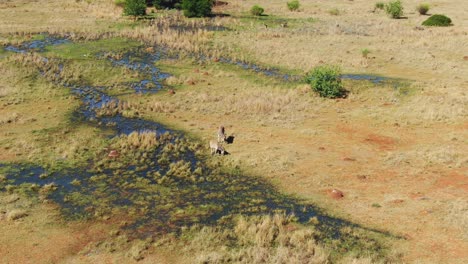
{"x": 157, "y": 181}
{"x": 104, "y": 141}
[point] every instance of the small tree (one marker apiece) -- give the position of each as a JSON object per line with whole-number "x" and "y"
{"x": 326, "y": 81}
{"x": 394, "y": 9}
{"x": 197, "y": 8}
{"x": 135, "y": 8}
{"x": 257, "y": 10}
{"x": 422, "y": 8}
{"x": 293, "y": 5}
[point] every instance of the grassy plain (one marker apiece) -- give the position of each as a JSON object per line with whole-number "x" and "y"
{"x": 398, "y": 154}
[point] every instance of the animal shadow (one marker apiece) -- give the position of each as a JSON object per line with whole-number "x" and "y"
{"x": 230, "y": 139}
{"x": 221, "y": 153}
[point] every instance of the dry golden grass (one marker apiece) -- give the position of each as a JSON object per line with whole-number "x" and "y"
{"x": 41, "y": 236}
{"x": 457, "y": 215}
{"x": 55, "y": 16}
{"x": 398, "y": 49}
{"x": 16, "y": 214}
{"x": 140, "y": 140}
{"x": 269, "y": 239}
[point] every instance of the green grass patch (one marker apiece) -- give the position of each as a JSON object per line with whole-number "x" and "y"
{"x": 87, "y": 50}
{"x": 100, "y": 73}
{"x": 39, "y": 37}
{"x": 273, "y": 21}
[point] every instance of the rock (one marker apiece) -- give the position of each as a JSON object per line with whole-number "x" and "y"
{"x": 348, "y": 159}
{"x": 397, "y": 201}
{"x": 335, "y": 194}
{"x": 362, "y": 177}
{"x": 113, "y": 154}
{"x": 171, "y": 91}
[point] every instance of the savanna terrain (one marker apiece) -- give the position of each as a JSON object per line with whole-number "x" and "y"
{"x": 78, "y": 182}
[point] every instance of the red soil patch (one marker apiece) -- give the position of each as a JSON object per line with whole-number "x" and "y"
{"x": 383, "y": 142}
{"x": 360, "y": 134}
{"x": 453, "y": 179}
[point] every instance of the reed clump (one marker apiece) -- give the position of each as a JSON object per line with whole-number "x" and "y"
{"x": 145, "y": 140}
{"x": 259, "y": 239}
{"x": 16, "y": 214}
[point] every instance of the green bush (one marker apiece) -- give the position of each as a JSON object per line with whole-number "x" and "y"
{"x": 293, "y": 5}
{"x": 334, "y": 12}
{"x": 197, "y": 8}
{"x": 394, "y": 9}
{"x": 365, "y": 52}
{"x": 379, "y": 5}
{"x": 257, "y": 10}
{"x": 326, "y": 81}
{"x": 438, "y": 21}
{"x": 135, "y": 8}
{"x": 422, "y": 8}
{"x": 161, "y": 4}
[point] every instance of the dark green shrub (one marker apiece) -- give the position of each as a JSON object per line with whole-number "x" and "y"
{"x": 197, "y": 8}
{"x": 326, "y": 81}
{"x": 135, "y": 8}
{"x": 394, "y": 9}
{"x": 161, "y": 4}
{"x": 293, "y": 5}
{"x": 257, "y": 10}
{"x": 379, "y": 5}
{"x": 438, "y": 21}
{"x": 422, "y": 8}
